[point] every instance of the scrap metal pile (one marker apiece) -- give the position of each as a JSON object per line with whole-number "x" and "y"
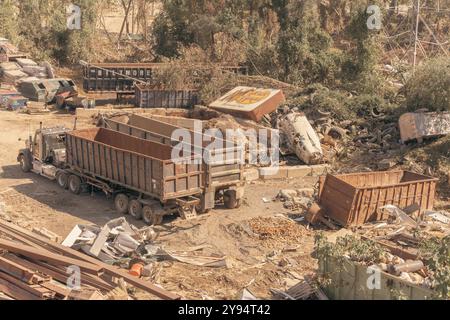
{"x": 122, "y": 244}
{"x": 35, "y": 268}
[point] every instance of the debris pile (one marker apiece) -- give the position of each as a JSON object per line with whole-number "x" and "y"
{"x": 275, "y": 229}
{"x": 408, "y": 229}
{"x": 122, "y": 244}
{"x": 35, "y": 268}
{"x": 25, "y": 69}
{"x": 300, "y": 199}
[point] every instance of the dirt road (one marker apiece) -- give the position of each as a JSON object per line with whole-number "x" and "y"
{"x": 264, "y": 248}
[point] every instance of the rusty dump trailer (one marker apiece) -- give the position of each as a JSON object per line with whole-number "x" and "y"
{"x": 224, "y": 173}
{"x": 355, "y": 199}
{"x": 140, "y": 173}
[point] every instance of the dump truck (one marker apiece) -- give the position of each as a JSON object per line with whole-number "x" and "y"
{"x": 139, "y": 174}
{"x": 223, "y": 166}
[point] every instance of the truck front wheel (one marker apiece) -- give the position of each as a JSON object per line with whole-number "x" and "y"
{"x": 75, "y": 184}
{"x": 25, "y": 163}
{"x": 122, "y": 202}
{"x": 63, "y": 180}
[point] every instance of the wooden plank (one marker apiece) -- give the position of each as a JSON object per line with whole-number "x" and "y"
{"x": 110, "y": 270}
{"x": 16, "y": 292}
{"x": 18, "y": 271}
{"x": 47, "y": 256}
{"x": 34, "y": 290}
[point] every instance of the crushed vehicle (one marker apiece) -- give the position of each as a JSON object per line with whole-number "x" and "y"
{"x": 46, "y": 90}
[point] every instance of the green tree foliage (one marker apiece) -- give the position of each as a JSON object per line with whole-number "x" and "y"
{"x": 430, "y": 86}
{"x": 8, "y": 19}
{"x": 40, "y": 28}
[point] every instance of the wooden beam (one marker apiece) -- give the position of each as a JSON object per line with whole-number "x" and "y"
{"x": 47, "y": 256}
{"x": 32, "y": 289}
{"x": 15, "y": 292}
{"x": 110, "y": 270}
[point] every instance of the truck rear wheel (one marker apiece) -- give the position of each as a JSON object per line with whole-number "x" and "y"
{"x": 148, "y": 215}
{"x": 63, "y": 179}
{"x": 25, "y": 163}
{"x": 75, "y": 184}
{"x": 153, "y": 214}
{"x": 135, "y": 209}
{"x": 230, "y": 199}
{"x": 121, "y": 202}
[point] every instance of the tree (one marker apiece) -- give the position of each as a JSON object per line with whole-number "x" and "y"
{"x": 429, "y": 87}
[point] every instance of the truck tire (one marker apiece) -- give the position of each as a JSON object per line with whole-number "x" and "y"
{"x": 148, "y": 215}
{"x": 135, "y": 209}
{"x": 63, "y": 179}
{"x": 75, "y": 184}
{"x": 230, "y": 199}
{"x": 25, "y": 163}
{"x": 121, "y": 203}
{"x": 153, "y": 214}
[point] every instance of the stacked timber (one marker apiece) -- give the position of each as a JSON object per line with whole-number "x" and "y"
{"x": 35, "y": 268}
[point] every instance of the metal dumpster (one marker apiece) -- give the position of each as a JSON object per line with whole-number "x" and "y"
{"x": 132, "y": 163}
{"x": 148, "y": 97}
{"x": 355, "y": 199}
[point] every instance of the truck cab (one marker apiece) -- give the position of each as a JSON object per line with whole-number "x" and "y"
{"x": 45, "y": 153}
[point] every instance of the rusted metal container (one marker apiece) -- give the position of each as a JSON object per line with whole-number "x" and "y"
{"x": 227, "y": 170}
{"x": 148, "y": 97}
{"x": 355, "y": 199}
{"x": 132, "y": 163}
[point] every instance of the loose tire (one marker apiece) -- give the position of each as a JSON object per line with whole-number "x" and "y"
{"x": 75, "y": 184}
{"x": 121, "y": 203}
{"x": 230, "y": 200}
{"x": 63, "y": 179}
{"x": 135, "y": 209}
{"x": 25, "y": 163}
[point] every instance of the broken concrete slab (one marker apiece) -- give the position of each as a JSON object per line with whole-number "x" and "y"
{"x": 420, "y": 125}
{"x": 251, "y": 175}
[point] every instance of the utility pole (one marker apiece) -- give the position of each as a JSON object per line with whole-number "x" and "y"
{"x": 416, "y": 35}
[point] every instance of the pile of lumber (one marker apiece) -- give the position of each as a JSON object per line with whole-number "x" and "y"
{"x": 35, "y": 268}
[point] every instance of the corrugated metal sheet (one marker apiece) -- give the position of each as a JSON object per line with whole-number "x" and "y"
{"x": 147, "y": 97}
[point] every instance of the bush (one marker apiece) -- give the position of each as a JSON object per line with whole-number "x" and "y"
{"x": 430, "y": 86}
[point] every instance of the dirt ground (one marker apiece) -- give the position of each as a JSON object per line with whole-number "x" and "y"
{"x": 264, "y": 248}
